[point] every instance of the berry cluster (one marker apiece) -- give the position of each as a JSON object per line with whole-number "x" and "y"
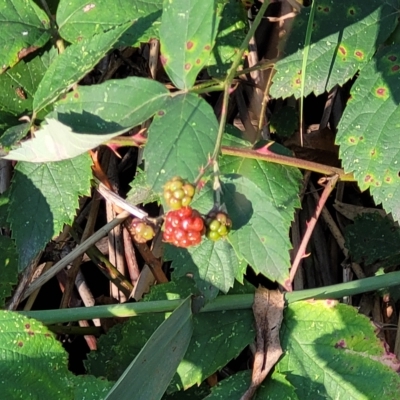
{"x": 183, "y": 227}
{"x": 141, "y": 231}
{"x": 178, "y": 193}
{"x": 218, "y": 226}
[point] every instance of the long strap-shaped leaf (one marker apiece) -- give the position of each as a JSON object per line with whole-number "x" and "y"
{"x": 149, "y": 374}
{"x": 304, "y": 64}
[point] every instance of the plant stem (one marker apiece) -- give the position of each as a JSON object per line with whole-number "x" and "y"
{"x": 231, "y": 75}
{"x": 289, "y": 161}
{"x": 301, "y": 253}
{"x": 87, "y": 244}
{"x": 221, "y": 303}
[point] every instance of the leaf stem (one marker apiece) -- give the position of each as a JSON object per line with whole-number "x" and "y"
{"x": 221, "y": 303}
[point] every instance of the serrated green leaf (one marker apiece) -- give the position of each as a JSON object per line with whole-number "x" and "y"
{"x": 141, "y": 191}
{"x": 4, "y": 204}
{"x": 280, "y": 184}
{"x": 260, "y": 225}
{"x": 112, "y": 105}
{"x": 73, "y": 64}
{"x": 368, "y": 130}
{"x": 13, "y": 135}
{"x": 77, "y": 20}
{"x": 187, "y": 35}
{"x": 90, "y": 388}
{"x": 149, "y": 374}
{"x": 230, "y": 35}
{"x": 44, "y": 197}
{"x": 231, "y": 331}
{"x": 344, "y": 38}
{"x": 19, "y": 84}
{"x": 194, "y": 393}
{"x": 24, "y": 28}
{"x": 99, "y": 363}
{"x": 7, "y": 120}
{"x": 56, "y": 142}
{"x": 92, "y": 115}
{"x": 8, "y": 267}
{"x": 181, "y": 138}
{"x": 30, "y": 351}
{"x": 275, "y": 387}
{"x": 284, "y": 122}
{"x": 333, "y": 352}
{"x": 210, "y": 262}
{"x": 372, "y": 238}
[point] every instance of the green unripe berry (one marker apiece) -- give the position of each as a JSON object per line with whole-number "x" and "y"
{"x": 222, "y": 230}
{"x": 214, "y": 225}
{"x": 188, "y": 189}
{"x": 175, "y": 185}
{"x": 175, "y": 204}
{"x": 186, "y": 201}
{"x": 148, "y": 232}
{"x": 179, "y": 194}
{"x": 167, "y": 195}
{"x": 212, "y": 235}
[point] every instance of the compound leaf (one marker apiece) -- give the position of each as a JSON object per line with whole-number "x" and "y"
{"x": 187, "y": 35}
{"x": 90, "y": 116}
{"x": 213, "y": 265}
{"x": 182, "y": 136}
{"x": 333, "y": 352}
{"x": 260, "y": 228}
{"x": 24, "y": 27}
{"x": 77, "y": 20}
{"x": 111, "y": 106}
{"x": 368, "y": 130}
{"x": 344, "y": 38}
{"x": 44, "y": 197}
{"x": 73, "y": 64}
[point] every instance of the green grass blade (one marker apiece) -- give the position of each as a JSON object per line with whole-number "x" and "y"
{"x": 304, "y": 64}
{"x": 149, "y": 374}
